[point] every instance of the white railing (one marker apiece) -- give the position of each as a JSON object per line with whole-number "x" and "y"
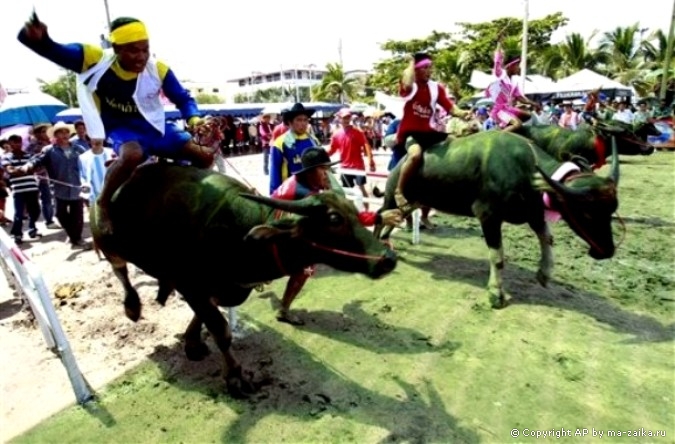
{"x": 27, "y": 279}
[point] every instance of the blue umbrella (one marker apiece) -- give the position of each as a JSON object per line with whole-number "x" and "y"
{"x": 29, "y": 109}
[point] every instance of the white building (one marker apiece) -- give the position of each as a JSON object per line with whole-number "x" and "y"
{"x": 196, "y": 88}
{"x": 291, "y": 79}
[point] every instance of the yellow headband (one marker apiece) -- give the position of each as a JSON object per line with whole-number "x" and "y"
{"x": 129, "y": 33}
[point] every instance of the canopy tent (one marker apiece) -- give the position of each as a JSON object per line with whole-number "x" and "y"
{"x": 578, "y": 84}
{"x": 391, "y": 104}
{"x": 247, "y": 110}
{"x": 71, "y": 115}
{"x": 536, "y": 86}
{"x": 255, "y": 109}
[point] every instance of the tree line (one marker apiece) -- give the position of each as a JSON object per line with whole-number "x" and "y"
{"x": 631, "y": 55}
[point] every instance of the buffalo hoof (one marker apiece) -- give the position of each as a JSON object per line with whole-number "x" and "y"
{"x": 289, "y": 318}
{"x": 196, "y": 351}
{"x": 542, "y": 278}
{"x": 238, "y": 386}
{"x": 133, "y": 310}
{"x": 498, "y": 300}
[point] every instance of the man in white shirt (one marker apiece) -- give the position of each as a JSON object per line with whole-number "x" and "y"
{"x": 92, "y": 168}
{"x": 623, "y": 114}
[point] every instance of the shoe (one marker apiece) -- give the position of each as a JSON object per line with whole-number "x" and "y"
{"x": 80, "y": 244}
{"x": 34, "y": 234}
{"x": 18, "y": 240}
{"x": 52, "y": 226}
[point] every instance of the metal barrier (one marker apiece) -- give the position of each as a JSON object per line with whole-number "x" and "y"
{"x": 359, "y": 199}
{"x": 28, "y": 280}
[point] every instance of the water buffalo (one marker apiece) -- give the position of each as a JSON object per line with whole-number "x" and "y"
{"x": 205, "y": 235}
{"x": 491, "y": 176}
{"x": 591, "y": 142}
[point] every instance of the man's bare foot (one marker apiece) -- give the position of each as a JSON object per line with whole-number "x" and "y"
{"x": 289, "y": 318}
{"x": 426, "y": 223}
{"x": 402, "y": 203}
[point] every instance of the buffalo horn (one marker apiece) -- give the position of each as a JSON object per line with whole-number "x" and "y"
{"x": 560, "y": 188}
{"x": 614, "y": 173}
{"x": 291, "y": 206}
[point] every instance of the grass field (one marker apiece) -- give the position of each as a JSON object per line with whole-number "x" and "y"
{"x": 417, "y": 357}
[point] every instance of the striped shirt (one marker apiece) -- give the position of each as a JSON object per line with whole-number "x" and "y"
{"x": 20, "y": 184}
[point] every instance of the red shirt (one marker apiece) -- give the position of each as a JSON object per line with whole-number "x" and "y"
{"x": 418, "y": 112}
{"x": 351, "y": 143}
{"x": 279, "y": 130}
{"x": 292, "y": 190}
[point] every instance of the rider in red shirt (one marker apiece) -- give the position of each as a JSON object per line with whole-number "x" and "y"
{"x": 421, "y": 96}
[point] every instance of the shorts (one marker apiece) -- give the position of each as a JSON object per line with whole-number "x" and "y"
{"x": 505, "y": 117}
{"x": 350, "y": 180}
{"x": 170, "y": 145}
{"x": 425, "y": 139}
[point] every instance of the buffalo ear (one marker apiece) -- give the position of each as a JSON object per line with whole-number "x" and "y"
{"x": 268, "y": 233}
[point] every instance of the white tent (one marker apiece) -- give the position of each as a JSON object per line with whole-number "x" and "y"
{"x": 391, "y": 104}
{"x": 579, "y": 83}
{"x": 534, "y": 84}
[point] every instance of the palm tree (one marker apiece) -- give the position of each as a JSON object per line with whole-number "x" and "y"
{"x": 335, "y": 85}
{"x": 451, "y": 70}
{"x": 570, "y": 56}
{"x": 629, "y": 57}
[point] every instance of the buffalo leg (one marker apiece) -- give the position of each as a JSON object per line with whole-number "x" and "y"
{"x": 195, "y": 348}
{"x": 222, "y": 334}
{"x": 132, "y": 303}
{"x": 493, "y": 238}
{"x": 164, "y": 291}
{"x": 546, "y": 243}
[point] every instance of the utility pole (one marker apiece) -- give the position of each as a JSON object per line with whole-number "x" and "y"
{"x": 665, "y": 76}
{"x": 107, "y": 15}
{"x": 342, "y": 67}
{"x": 523, "y": 56}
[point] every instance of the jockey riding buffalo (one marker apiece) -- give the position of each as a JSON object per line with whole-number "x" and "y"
{"x": 590, "y": 142}
{"x": 203, "y": 234}
{"x": 496, "y": 177}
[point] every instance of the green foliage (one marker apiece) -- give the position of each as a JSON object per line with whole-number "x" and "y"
{"x": 625, "y": 54}
{"x": 336, "y": 86}
{"x": 63, "y": 88}
{"x": 205, "y": 98}
{"x": 457, "y": 54}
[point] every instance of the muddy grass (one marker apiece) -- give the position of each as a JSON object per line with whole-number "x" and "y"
{"x": 417, "y": 357}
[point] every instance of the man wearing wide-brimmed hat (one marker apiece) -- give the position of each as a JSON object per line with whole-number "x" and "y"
{"x": 265, "y": 131}
{"x": 314, "y": 176}
{"x": 119, "y": 93}
{"x": 62, "y": 162}
{"x": 287, "y": 149}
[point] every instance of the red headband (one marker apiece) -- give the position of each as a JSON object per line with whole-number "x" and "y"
{"x": 512, "y": 62}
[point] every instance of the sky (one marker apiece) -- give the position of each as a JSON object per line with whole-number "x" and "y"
{"x": 211, "y": 41}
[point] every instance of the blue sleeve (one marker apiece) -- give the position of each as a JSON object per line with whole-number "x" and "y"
{"x": 179, "y": 96}
{"x": 276, "y": 161}
{"x": 70, "y": 56}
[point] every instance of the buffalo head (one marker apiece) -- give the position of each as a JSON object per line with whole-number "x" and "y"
{"x": 587, "y": 201}
{"x": 327, "y": 226}
{"x": 632, "y": 138}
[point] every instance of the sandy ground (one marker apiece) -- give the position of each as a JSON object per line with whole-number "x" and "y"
{"x": 88, "y": 301}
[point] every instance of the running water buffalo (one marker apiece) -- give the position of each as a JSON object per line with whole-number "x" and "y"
{"x": 591, "y": 142}
{"x": 203, "y": 234}
{"x": 491, "y": 176}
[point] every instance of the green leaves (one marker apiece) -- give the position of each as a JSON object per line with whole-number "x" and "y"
{"x": 457, "y": 54}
